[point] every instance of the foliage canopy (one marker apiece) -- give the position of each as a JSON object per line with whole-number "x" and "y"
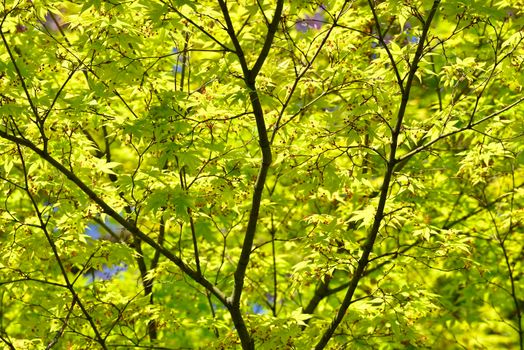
{"x": 261, "y": 174}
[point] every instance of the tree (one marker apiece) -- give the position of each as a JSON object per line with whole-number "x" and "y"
{"x": 261, "y": 174}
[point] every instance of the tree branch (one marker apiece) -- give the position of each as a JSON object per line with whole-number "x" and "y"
{"x": 58, "y": 259}
{"x": 379, "y": 214}
{"x": 250, "y": 80}
{"x": 451, "y": 133}
{"x": 132, "y": 228}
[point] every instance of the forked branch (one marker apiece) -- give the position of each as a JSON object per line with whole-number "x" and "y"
{"x": 367, "y": 248}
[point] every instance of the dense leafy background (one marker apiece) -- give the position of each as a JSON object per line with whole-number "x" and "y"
{"x": 397, "y": 120}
